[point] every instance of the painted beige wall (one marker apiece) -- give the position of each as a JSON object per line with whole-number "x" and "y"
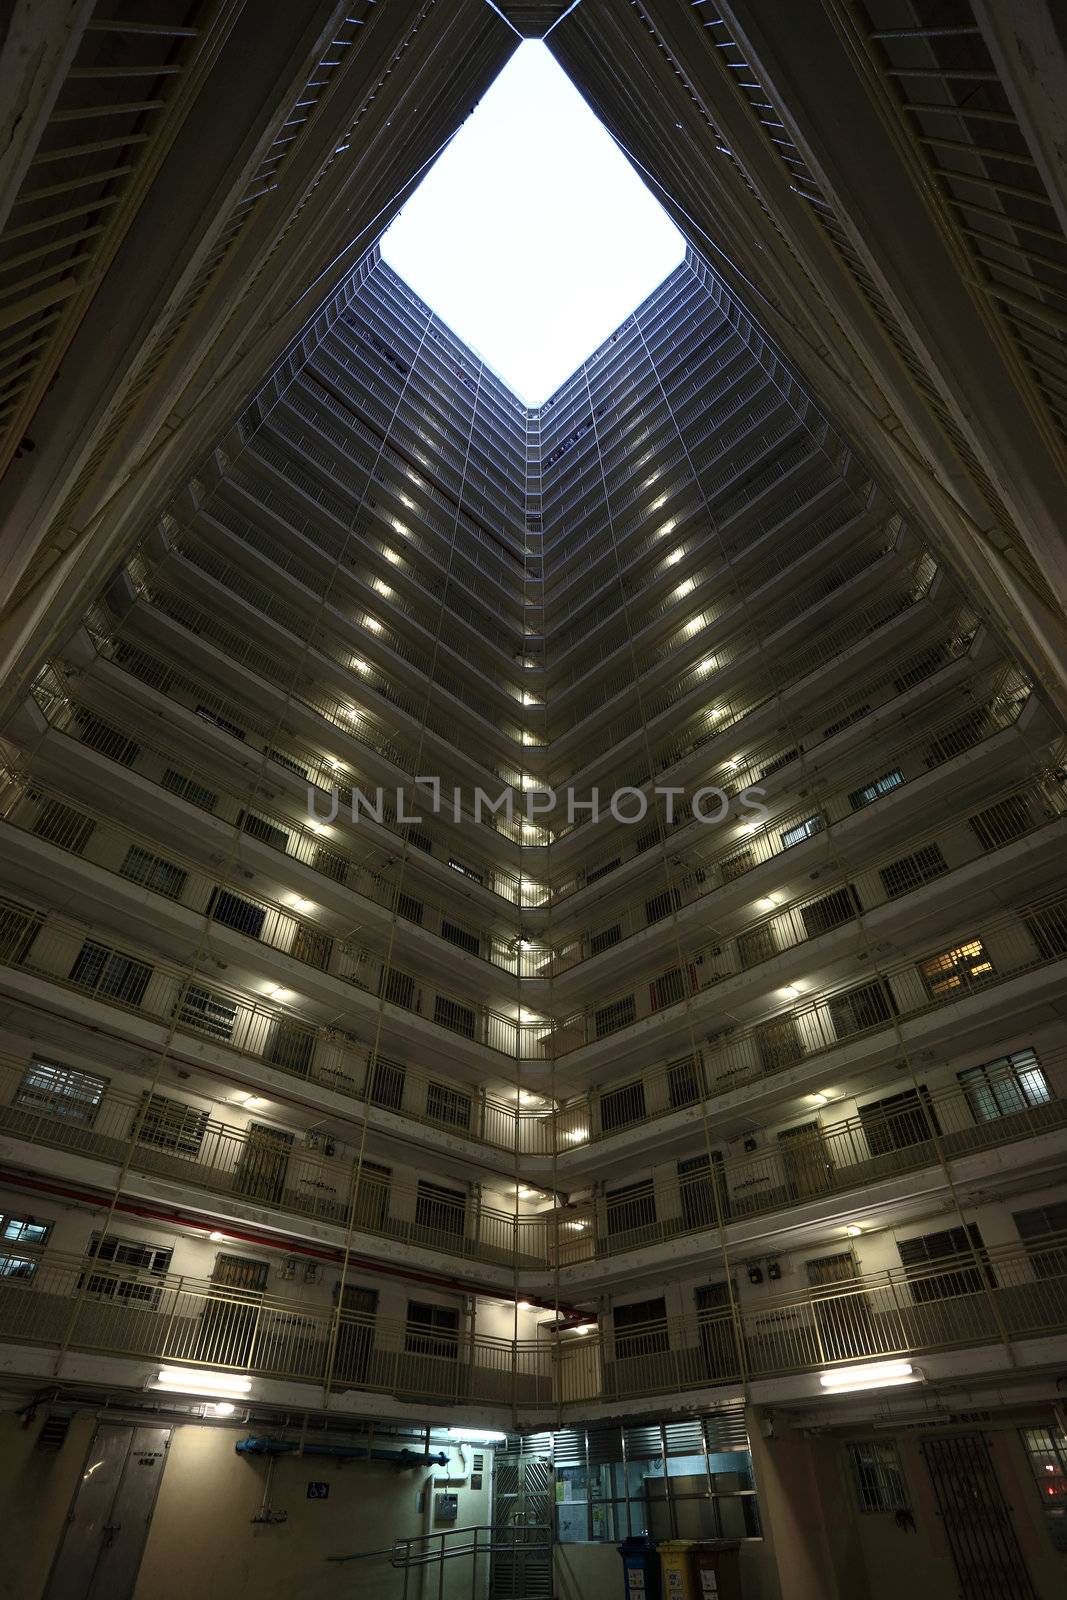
{"x": 36, "y": 1489}
{"x": 202, "y": 1541}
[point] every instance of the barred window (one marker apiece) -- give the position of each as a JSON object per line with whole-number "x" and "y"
{"x": 999, "y": 1088}
{"x": 604, "y": 939}
{"x": 461, "y": 937}
{"x": 1005, "y": 820}
{"x": 602, "y": 871}
{"x": 172, "y": 1125}
{"x": 220, "y": 722}
{"x": 619, "y": 1014}
{"x": 877, "y": 1476}
{"x": 870, "y": 792}
{"x": 911, "y": 871}
{"x": 1044, "y": 1228}
{"x": 861, "y": 1008}
{"x": 109, "y": 973}
{"x": 153, "y": 872}
{"x": 967, "y": 966}
{"x": 685, "y": 1081}
{"x": 399, "y": 988}
{"x": 186, "y": 789}
{"x": 259, "y": 828}
{"x": 452, "y": 1014}
{"x": 136, "y": 1257}
{"x": 659, "y": 906}
{"x": 640, "y": 1328}
{"x": 387, "y": 1084}
{"x": 54, "y": 1090}
{"x": 233, "y": 911}
{"x": 623, "y": 1106}
{"x": 631, "y": 1207}
{"x": 63, "y": 825}
{"x": 207, "y": 1012}
{"x": 801, "y": 831}
{"x": 450, "y": 1106}
{"x": 440, "y": 1209}
{"x": 411, "y": 909}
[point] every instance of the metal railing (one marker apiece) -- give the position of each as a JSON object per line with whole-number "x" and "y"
{"x": 978, "y": 1297}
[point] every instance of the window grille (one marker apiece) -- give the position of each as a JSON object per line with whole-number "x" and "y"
{"x": 1009, "y": 1084}
{"x": 55, "y": 1090}
{"x": 911, "y": 871}
{"x": 870, "y": 792}
{"x": 153, "y": 872}
{"x": 877, "y": 1476}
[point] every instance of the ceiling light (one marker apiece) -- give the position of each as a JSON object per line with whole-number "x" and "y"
{"x": 577, "y": 1135}
{"x": 222, "y": 1408}
{"x": 767, "y": 903}
{"x": 525, "y": 1305}
{"x": 384, "y": 590}
{"x": 708, "y": 663}
{"x": 791, "y": 992}
{"x": 675, "y": 555}
{"x": 255, "y": 1100}
{"x": 241, "y": 1095}
{"x": 191, "y": 1380}
{"x": 685, "y": 587}
{"x": 215, "y": 1236}
{"x": 871, "y": 1375}
{"x": 817, "y": 1099}
{"x": 476, "y": 1435}
{"x": 390, "y": 555}
{"x": 585, "y": 1327}
{"x": 853, "y": 1230}
{"x": 372, "y": 622}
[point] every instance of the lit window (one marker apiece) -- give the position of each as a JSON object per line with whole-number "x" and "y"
{"x": 955, "y": 971}
{"x": 874, "y": 791}
{"x": 999, "y": 1088}
{"x": 58, "y": 1091}
{"x": 1046, "y": 1449}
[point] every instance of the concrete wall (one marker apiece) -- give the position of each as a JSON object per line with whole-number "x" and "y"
{"x": 201, "y": 1539}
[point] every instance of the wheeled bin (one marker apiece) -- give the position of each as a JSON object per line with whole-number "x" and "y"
{"x": 678, "y": 1569}
{"x": 640, "y": 1568}
{"x": 717, "y": 1569}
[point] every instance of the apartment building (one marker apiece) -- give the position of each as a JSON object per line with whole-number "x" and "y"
{"x": 550, "y": 924}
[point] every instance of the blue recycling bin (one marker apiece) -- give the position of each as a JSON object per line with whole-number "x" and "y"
{"x": 640, "y": 1568}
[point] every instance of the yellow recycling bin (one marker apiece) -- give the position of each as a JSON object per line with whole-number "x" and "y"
{"x": 676, "y": 1565}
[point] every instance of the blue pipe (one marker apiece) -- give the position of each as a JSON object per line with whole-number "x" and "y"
{"x": 264, "y": 1445}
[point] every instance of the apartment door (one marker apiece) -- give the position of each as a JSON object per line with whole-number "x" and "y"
{"x": 355, "y": 1335}
{"x": 264, "y": 1162}
{"x": 228, "y": 1328}
{"x": 806, "y": 1160}
{"x": 976, "y": 1520}
{"x": 718, "y": 1338}
{"x": 523, "y": 1511}
{"x": 100, "y": 1555}
{"x": 842, "y": 1316}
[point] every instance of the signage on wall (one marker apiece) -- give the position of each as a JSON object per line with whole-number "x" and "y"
{"x": 318, "y": 1491}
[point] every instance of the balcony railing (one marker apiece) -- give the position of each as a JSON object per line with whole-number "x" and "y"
{"x": 83, "y": 1304}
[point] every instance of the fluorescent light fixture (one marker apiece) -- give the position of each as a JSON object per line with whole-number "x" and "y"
{"x": 476, "y": 1435}
{"x": 817, "y": 1099}
{"x": 577, "y": 1135}
{"x": 791, "y": 991}
{"x": 872, "y": 1375}
{"x": 190, "y": 1380}
{"x": 853, "y": 1230}
{"x": 222, "y": 1408}
{"x": 767, "y": 903}
{"x": 215, "y": 1236}
{"x": 533, "y": 275}
{"x": 586, "y": 1327}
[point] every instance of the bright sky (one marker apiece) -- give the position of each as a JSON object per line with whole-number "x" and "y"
{"x": 532, "y": 236}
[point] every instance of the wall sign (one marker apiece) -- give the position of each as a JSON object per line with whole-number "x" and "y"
{"x": 318, "y": 1491}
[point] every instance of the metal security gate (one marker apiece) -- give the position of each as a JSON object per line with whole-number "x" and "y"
{"x": 521, "y": 1566}
{"x": 100, "y": 1555}
{"x": 989, "y": 1563}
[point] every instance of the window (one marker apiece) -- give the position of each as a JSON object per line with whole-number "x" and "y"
{"x": 235, "y": 912}
{"x": 778, "y": 1044}
{"x": 207, "y": 1012}
{"x": 756, "y": 944}
{"x": 803, "y": 830}
{"x": 630, "y": 1208}
{"x": 955, "y": 971}
{"x": 431, "y": 1331}
{"x": 452, "y": 1014}
{"x": 1005, "y": 820}
{"x": 621, "y": 1107}
{"x": 280, "y": 758}
{"x": 461, "y": 937}
{"x": 911, "y": 871}
{"x": 870, "y": 792}
{"x": 604, "y": 939}
{"x": 152, "y": 872}
{"x": 220, "y": 722}
{"x": 100, "y": 735}
{"x": 259, "y": 828}
{"x": 63, "y": 825}
{"x": 468, "y": 872}
{"x": 291, "y": 1047}
{"x": 831, "y": 911}
{"x": 109, "y": 973}
{"x": 672, "y": 986}
{"x": 659, "y": 906}
{"x": 877, "y": 1476}
{"x": 1044, "y": 1228}
{"x": 647, "y": 839}
{"x": 695, "y": 1190}
{"x": 20, "y": 1240}
{"x": 449, "y": 1106}
{"x": 846, "y": 721}
{"x": 398, "y": 988}
{"x": 440, "y": 1209}
{"x": 421, "y": 841}
{"x": 685, "y": 1082}
{"x": 26, "y": 1231}
{"x": 610, "y": 1018}
{"x": 136, "y": 1258}
{"x": 187, "y": 789}
{"x": 54, "y": 1090}
{"x": 779, "y": 762}
{"x": 968, "y": 732}
{"x": 743, "y": 861}
{"x": 938, "y": 1250}
{"x": 1047, "y": 926}
{"x": 998, "y": 1088}
{"x": 898, "y": 1121}
{"x": 640, "y": 1328}
{"x": 1046, "y": 1451}
{"x": 861, "y": 1008}
{"x": 387, "y": 1084}
{"x": 408, "y": 907}
{"x": 172, "y": 1125}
